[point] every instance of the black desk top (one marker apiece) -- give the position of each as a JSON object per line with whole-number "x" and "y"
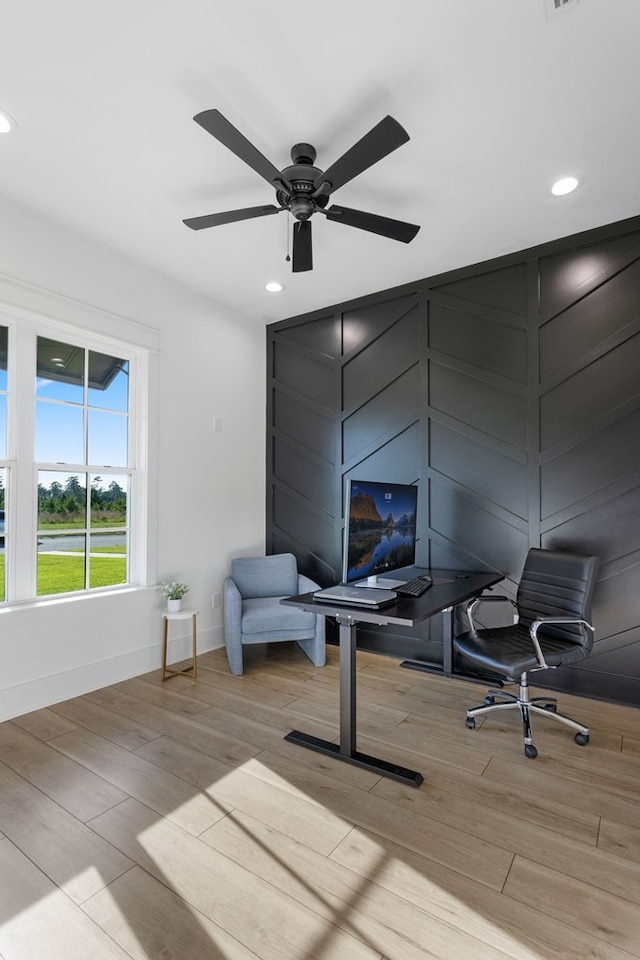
{"x": 449, "y": 589}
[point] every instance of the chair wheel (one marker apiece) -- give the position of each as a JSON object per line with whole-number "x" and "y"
{"x": 530, "y": 751}
{"x": 582, "y": 739}
{"x": 470, "y": 723}
{"x": 551, "y": 707}
{"x": 489, "y": 699}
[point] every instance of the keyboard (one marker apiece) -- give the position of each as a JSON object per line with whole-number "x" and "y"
{"x": 415, "y": 588}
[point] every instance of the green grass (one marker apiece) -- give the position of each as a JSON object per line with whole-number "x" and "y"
{"x": 99, "y": 549}
{"x": 60, "y": 574}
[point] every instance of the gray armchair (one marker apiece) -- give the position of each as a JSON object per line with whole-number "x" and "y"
{"x": 253, "y": 612}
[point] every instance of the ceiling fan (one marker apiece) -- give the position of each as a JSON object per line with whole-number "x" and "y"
{"x": 303, "y": 189}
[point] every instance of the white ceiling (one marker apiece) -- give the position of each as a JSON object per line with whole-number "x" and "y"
{"x": 498, "y": 100}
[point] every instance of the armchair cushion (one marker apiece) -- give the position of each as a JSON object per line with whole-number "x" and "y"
{"x": 267, "y": 614}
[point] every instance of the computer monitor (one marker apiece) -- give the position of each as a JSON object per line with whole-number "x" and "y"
{"x": 379, "y": 532}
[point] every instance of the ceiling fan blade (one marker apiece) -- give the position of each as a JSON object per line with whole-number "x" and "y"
{"x": 219, "y": 127}
{"x": 383, "y": 139}
{"x": 394, "y": 229}
{"x": 302, "y": 252}
{"x": 230, "y": 216}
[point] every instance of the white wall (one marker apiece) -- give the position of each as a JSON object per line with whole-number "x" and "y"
{"x": 207, "y": 492}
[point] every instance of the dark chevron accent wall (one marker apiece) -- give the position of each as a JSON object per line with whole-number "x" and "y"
{"x": 510, "y": 392}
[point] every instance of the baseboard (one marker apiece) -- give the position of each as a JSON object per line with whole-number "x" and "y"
{"x": 42, "y": 692}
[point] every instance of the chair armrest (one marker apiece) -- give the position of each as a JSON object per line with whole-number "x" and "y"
{"x": 306, "y": 585}
{"x": 489, "y": 599}
{"x": 535, "y": 626}
{"x": 232, "y": 605}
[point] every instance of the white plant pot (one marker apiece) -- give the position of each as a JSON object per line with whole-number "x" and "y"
{"x": 174, "y": 606}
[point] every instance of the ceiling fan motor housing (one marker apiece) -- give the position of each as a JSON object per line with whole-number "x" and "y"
{"x": 301, "y": 175}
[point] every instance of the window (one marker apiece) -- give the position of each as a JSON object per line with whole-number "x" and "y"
{"x": 70, "y": 461}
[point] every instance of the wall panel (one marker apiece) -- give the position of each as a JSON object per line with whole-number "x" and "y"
{"x": 482, "y": 342}
{"x": 479, "y": 404}
{"x": 509, "y": 392}
{"x": 387, "y": 412}
{"x": 496, "y": 477}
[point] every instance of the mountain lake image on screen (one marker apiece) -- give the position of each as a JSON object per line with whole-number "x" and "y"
{"x": 379, "y": 531}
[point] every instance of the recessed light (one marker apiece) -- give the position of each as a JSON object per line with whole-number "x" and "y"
{"x": 7, "y": 123}
{"x": 564, "y": 185}
{"x": 274, "y": 287}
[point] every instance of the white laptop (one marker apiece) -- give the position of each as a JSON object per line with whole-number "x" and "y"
{"x": 362, "y": 596}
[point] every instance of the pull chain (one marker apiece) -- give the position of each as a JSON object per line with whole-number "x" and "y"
{"x": 288, "y": 256}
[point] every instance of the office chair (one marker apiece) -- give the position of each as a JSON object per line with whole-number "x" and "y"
{"x": 253, "y": 612}
{"x": 552, "y": 628}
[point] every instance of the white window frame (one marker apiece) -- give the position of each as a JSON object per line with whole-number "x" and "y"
{"x": 21, "y": 473}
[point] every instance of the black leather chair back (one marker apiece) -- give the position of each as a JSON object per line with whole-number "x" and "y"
{"x": 557, "y": 583}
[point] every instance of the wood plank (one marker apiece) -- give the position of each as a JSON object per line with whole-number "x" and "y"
{"x": 71, "y": 785}
{"x": 105, "y": 722}
{"x": 162, "y": 791}
{"x": 148, "y": 920}
{"x": 38, "y": 920}
{"x": 547, "y": 779}
{"x": 44, "y": 724}
{"x": 416, "y": 736}
{"x": 63, "y": 847}
{"x": 546, "y": 847}
{"x": 550, "y": 809}
{"x": 306, "y": 822}
{"x": 258, "y": 725}
{"x": 212, "y": 681}
{"x": 385, "y": 920}
{"x": 104, "y": 695}
{"x": 486, "y": 862}
{"x": 324, "y": 705}
{"x": 224, "y": 891}
{"x": 492, "y": 916}
{"x": 203, "y": 737}
{"x": 163, "y": 695}
{"x": 255, "y": 731}
{"x": 607, "y": 918}
{"x": 620, "y": 838}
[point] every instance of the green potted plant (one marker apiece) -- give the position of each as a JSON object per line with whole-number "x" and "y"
{"x": 173, "y": 591}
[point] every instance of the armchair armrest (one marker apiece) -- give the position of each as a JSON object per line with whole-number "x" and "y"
{"x": 489, "y": 599}
{"x": 541, "y": 621}
{"x": 306, "y": 585}
{"x": 232, "y": 604}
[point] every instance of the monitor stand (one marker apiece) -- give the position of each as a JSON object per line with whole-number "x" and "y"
{"x": 381, "y": 583}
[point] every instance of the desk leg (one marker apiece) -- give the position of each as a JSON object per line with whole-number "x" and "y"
{"x": 447, "y": 641}
{"x": 346, "y": 748}
{"x": 348, "y": 702}
{"x": 447, "y": 668}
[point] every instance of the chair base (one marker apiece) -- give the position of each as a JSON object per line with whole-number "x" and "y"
{"x": 527, "y": 705}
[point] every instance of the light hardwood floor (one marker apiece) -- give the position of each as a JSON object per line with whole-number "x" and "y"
{"x": 154, "y": 820}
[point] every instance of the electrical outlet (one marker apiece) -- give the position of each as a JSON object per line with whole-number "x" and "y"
{"x": 215, "y": 600}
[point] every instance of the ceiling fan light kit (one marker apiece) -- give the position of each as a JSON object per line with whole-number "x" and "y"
{"x": 303, "y": 189}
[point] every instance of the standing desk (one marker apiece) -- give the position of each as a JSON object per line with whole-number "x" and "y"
{"x": 449, "y": 590}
